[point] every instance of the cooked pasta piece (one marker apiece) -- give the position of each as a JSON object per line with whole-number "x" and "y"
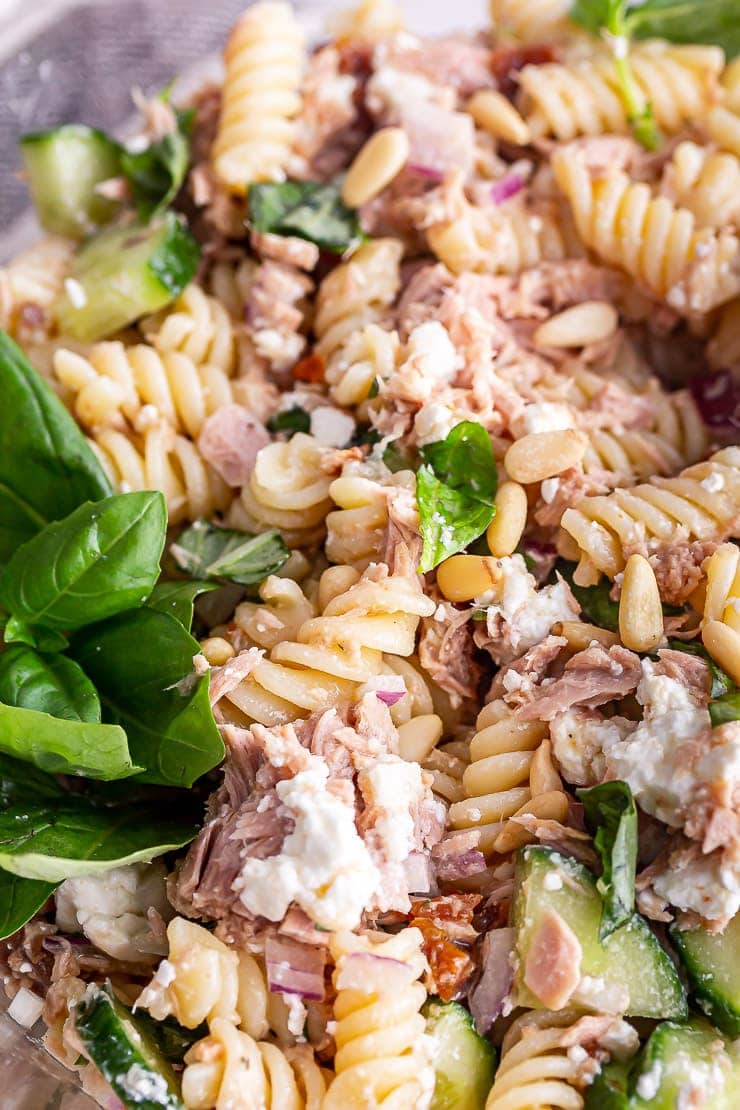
{"x": 723, "y": 349}
{"x": 356, "y": 293}
{"x": 161, "y": 459}
{"x": 357, "y": 528}
{"x": 721, "y": 620}
{"x": 379, "y": 1030}
{"x": 358, "y": 366}
{"x": 706, "y": 181}
{"x": 198, "y": 326}
{"x": 371, "y": 20}
{"x": 230, "y": 282}
{"x": 230, "y": 1069}
{"x": 658, "y": 244}
{"x": 699, "y": 504}
{"x": 583, "y": 97}
{"x": 264, "y": 59}
{"x": 337, "y": 651}
{"x": 533, "y": 21}
{"x": 31, "y": 283}
{"x": 510, "y": 772}
{"x": 113, "y": 383}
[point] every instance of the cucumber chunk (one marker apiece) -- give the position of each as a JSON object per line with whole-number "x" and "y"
{"x": 463, "y": 1060}
{"x": 124, "y": 1053}
{"x": 63, "y": 167}
{"x": 712, "y": 962}
{"x": 609, "y": 1089}
{"x": 124, "y": 273}
{"x": 685, "y": 1065}
{"x": 630, "y": 961}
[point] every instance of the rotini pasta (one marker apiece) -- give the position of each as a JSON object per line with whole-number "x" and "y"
{"x": 358, "y": 292}
{"x": 658, "y": 244}
{"x": 535, "y": 21}
{"x": 230, "y": 282}
{"x": 664, "y": 511}
{"x": 721, "y": 620}
{"x": 723, "y": 349}
{"x": 536, "y": 1068}
{"x": 369, "y": 356}
{"x": 264, "y": 59}
{"x": 114, "y": 382}
{"x": 334, "y": 653}
{"x": 379, "y": 1030}
{"x": 197, "y": 325}
{"x": 705, "y": 181}
{"x": 34, "y": 279}
{"x": 370, "y": 20}
{"x": 510, "y": 771}
{"x": 356, "y": 529}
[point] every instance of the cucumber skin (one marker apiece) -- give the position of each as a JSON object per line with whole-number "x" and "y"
{"x": 720, "y": 1010}
{"x": 451, "y": 1091}
{"x": 99, "y": 1023}
{"x": 609, "y": 1089}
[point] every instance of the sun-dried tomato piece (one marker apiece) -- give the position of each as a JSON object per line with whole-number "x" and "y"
{"x": 450, "y": 966}
{"x": 506, "y": 61}
{"x": 452, "y": 913}
{"x": 309, "y": 369}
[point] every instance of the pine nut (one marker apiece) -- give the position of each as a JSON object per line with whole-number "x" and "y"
{"x": 723, "y": 644}
{"x": 581, "y": 635}
{"x": 217, "y": 650}
{"x": 498, "y": 116}
{"x": 640, "y": 611}
{"x": 720, "y": 571}
{"x": 384, "y": 154}
{"x": 590, "y": 322}
{"x": 551, "y": 806}
{"x": 505, "y": 530}
{"x": 541, "y": 455}
{"x": 463, "y": 577}
{"x": 418, "y": 737}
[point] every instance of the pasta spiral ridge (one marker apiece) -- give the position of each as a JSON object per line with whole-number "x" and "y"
{"x": 706, "y": 181}
{"x": 511, "y": 771}
{"x": 583, "y": 98}
{"x": 264, "y": 59}
{"x": 161, "y": 459}
{"x": 34, "y": 277}
{"x": 113, "y": 383}
{"x": 535, "y": 21}
{"x": 197, "y": 325}
{"x": 535, "y": 1067}
{"x": 661, "y": 512}
{"x": 379, "y": 1030}
{"x": 723, "y": 349}
{"x": 229, "y": 1068}
{"x": 362, "y": 617}
{"x": 229, "y": 284}
{"x": 369, "y": 356}
{"x": 358, "y": 292}
{"x": 677, "y": 439}
{"x": 721, "y": 618}
{"x": 657, "y": 243}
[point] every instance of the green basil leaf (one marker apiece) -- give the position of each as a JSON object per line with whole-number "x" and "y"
{"x": 596, "y": 605}
{"x": 455, "y": 490}
{"x": 101, "y": 559}
{"x": 397, "y": 459}
{"x": 50, "y": 684}
{"x": 45, "y": 639}
{"x": 20, "y": 900}
{"x": 611, "y": 817}
{"x": 721, "y": 681}
{"x": 725, "y": 709}
{"x": 713, "y": 22}
{"x": 47, "y": 468}
{"x": 156, "y": 173}
{"x": 208, "y": 551}
{"x": 142, "y": 665}
{"x": 172, "y": 1039}
{"x": 22, "y": 782}
{"x": 73, "y": 837}
{"x": 592, "y": 14}
{"x": 178, "y": 598}
{"x": 307, "y": 209}
{"x": 67, "y": 747}
{"x": 291, "y": 421}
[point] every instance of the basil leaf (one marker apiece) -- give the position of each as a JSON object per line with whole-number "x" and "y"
{"x": 721, "y": 681}
{"x": 142, "y": 665}
{"x": 725, "y": 709}
{"x": 45, "y": 639}
{"x": 611, "y": 817}
{"x": 21, "y": 782}
{"x": 455, "y": 489}
{"x": 50, "y": 684}
{"x": 713, "y": 22}
{"x": 172, "y": 1039}
{"x": 291, "y": 421}
{"x": 73, "y": 837}
{"x": 596, "y": 605}
{"x": 65, "y": 747}
{"x": 101, "y": 559}
{"x": 307, "y": 209}
{"x": 177, "y": 599}
{"x": 208, "y": 551}
{"x": 156, "y": 174}
{"x": 46, "y": 465}
{"x": 20, "y": 900}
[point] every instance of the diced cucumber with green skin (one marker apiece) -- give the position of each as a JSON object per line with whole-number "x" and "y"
{"x": 712, "y": 962}
{"x": 685, "y": 1065}
{"x": 609, "y": 1089}
{"x": 630, "y": 960}
{"x": 63, "y": 168}
{"x": 124, "y": 1053}
{"x": 124, "y": 273}
{"x": 463, "y": 1061}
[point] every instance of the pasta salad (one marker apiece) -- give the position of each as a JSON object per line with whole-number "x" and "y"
{"x": 369, "y": 572}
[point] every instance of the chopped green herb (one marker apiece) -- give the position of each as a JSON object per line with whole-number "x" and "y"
{"x": 307, "y": 209}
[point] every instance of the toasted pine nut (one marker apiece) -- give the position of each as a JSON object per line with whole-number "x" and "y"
{"x": 581, "y": 635}
{"x": 542, "y": 455}
{"x": 384, "y": 154}
{"x": 505, "y": 530}
{"x": 720, "y": 571}
{"x": 419, "y": 736}
{"x": 723, "y": 644}
{"x": 463, "y": 577}
{"x": 498, "y": 116}
{"x": 640, "y": 611}
{"x": 217, "y": 650}
{"x": 578, "y": 326}
{"x": 552, "y": 806}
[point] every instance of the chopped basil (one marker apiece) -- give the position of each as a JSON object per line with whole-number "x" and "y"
{"x": 611, "y": 817}
{"x": 307, "y": 209}
{"x": 209, "y": 552}
{"x": 290, "y": 421}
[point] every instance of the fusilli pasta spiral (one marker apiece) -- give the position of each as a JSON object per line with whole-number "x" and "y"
{"x": 379, "y": 1028}
{"x": 536, "y": 1069}
{"x": 655, "y": 242}
{"x": 369, "y": 356}
{"x": 534, "y": 21}
{"x": 198, "y": 326}
{"x": 721, "y": 621}
{"x": 35, "y": 277}
{"x": 706, "y": 181}
{"x": 264, "y": 59}
{"x": 356, "y": 293}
